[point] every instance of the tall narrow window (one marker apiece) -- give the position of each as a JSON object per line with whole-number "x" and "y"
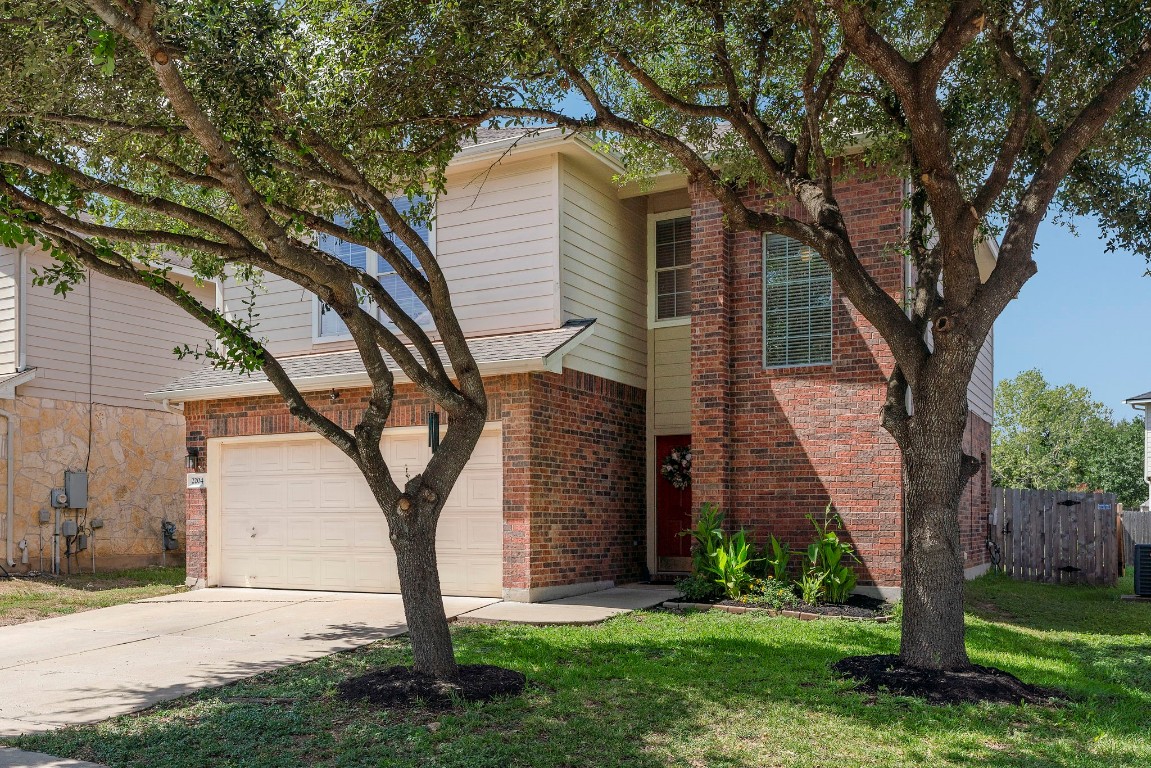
{"x": 673, "y": 268}
{"x": 330, "y": 325}
{"x": 796, "y": 304}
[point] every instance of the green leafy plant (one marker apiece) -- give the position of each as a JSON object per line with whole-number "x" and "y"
{"x": 828, "y": 576}
{"x": 707, "y": 536}
{"x": 698, "y": 588}
{"x": 769, "y": 593}
{"x": 730, "y": 564}
{"x": 778, "y": 559}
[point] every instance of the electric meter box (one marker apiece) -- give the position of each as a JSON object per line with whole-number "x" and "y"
{"x": 76, "y": 489}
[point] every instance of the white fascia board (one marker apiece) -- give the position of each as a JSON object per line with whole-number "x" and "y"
{"x": 8, "y": 387}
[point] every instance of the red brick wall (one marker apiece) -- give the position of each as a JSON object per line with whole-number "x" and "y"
{"x": 587, "y": 480}
{"x": 772, "y": 445}
{"x": 975, "y": 504}
{"x": 573, "y": 468}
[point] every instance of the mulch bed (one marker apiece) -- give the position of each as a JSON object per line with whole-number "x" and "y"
{"x": 885, "y": 673}
{"x": 856, "y": 607}
{"x": 402, "y": 687}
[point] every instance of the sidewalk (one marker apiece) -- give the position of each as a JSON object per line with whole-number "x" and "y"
{"x": 18, "y": 758}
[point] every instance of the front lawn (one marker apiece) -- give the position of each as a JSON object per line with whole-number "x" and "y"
{"x": 42, "y": 597}
{"x": 706, "y": 689}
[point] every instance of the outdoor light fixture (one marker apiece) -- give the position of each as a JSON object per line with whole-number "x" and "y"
{"x": 193, "y": 460}
{"x": 434, "y": 431}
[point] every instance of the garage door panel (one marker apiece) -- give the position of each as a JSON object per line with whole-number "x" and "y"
{"x": 302, "y": 456}
{"x": 483, "y": 536}
{"x": 372, "y": 533}
{"x": 317, "y": 525}
{"x": 302, "y": 494}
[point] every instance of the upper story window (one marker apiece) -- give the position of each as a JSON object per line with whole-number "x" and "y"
{"x": 329, "y": 325}
{"x": 671, "y": 266}
{"x": 796, "y": 304}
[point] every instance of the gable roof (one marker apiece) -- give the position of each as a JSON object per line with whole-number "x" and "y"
{"x": 511, "y": 353}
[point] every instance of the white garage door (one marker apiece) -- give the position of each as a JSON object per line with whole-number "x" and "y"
{"x": 297, "y": 514}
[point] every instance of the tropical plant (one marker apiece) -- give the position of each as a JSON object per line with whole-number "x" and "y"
{"x": 732, "y": 559}
{"x": 707, "y": 536}
{"x": 778, "y": 559}
{"x": 828, "y": 575}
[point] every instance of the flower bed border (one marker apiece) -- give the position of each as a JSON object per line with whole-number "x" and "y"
{"x": 801, "y": 615}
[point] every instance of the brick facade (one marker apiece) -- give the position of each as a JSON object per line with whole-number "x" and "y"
{"x": 573, "y": 469}
{"x": 773, "y": 445}
{"x": 975, "y": 505}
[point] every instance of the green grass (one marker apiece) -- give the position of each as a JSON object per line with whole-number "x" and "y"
{"x": 660, "y": 689}
{"x": 30, "y": 599}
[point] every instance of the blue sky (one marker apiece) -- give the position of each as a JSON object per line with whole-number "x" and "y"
{"x": 1084, "y": 319}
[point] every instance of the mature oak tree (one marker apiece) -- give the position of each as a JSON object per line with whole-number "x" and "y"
{"x": 229, "y": 138}
{"x": 997, "y": 111}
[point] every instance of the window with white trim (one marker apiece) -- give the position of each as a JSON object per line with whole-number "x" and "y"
{"x": 796, "y": 304}
{"x": 329, "y": 324}
{"x": 672, "y": 268}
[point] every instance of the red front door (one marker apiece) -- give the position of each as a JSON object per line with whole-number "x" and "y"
{"x": 672, "y": 505}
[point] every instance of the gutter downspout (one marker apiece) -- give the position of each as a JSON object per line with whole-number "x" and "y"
{"x": 10, "y": 490}
{"x": 22, "y": 310}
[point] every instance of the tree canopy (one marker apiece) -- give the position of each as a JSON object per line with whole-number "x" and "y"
{"x": 1059, "y": 438}
{"x": 138, "y": 136}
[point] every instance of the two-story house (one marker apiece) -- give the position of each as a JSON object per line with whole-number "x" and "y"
{"x": 74, "y": 371}
{"x": 613, "y": 325}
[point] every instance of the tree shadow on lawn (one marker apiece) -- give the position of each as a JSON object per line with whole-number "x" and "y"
{"x": 645, "y": 690}
{"x": 1059, "y": 607}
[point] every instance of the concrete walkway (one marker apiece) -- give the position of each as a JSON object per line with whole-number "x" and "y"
{"x": 18, "y": 758}
{"x": 591, "y": 608}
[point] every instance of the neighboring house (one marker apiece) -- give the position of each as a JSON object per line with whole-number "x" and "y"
{"x": 1143, "y": 403}
{"x": 73, "y": 375}
{"x": 612, "y": 325}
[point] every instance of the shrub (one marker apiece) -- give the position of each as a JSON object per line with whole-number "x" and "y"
{"x": 769, "y": 593}
{"x": 698, "y": 588}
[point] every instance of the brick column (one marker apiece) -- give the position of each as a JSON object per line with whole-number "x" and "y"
{"x": 710, "y": 352}
{"x": 196, "y": 535}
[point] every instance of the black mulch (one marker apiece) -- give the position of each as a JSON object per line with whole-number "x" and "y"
{"x": 400, "y": 687}
{"x": 857, "y": 606}
{"x": 977, "y": 684}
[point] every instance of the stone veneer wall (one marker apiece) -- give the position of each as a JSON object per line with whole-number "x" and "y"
{"x": 135, "y": 477}
{"x": 573, "y": 469}
{"x": 773, "y": 445}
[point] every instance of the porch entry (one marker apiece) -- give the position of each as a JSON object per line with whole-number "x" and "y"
{"x": 673, "y": 511}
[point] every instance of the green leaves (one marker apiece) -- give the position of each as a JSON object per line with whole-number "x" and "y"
{"x": 827, "y": 575}
{"x": 104, "y": 51}
{"x": 1059, "y": 438}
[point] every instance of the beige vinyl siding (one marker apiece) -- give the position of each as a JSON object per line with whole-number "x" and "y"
{"x": 495, "y": 241}
{"x": 603, "y": 268}
{"x": 981, "y": 390}
{"x": 671, "y": 379}
{"x": 495, "y": 237}
{"x": 133, "y": 333}
{"x": 9, "y": 267}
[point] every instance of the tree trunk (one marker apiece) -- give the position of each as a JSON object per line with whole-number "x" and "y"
{"x": 415, "y": 548}
{"x": 933, "y": 630}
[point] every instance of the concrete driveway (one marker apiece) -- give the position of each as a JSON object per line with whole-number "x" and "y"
{"x": 91, "y": 666}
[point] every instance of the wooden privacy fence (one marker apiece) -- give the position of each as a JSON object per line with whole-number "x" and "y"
{"x": 1135, "y": 529}
{"x": 1055, "y": 536}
